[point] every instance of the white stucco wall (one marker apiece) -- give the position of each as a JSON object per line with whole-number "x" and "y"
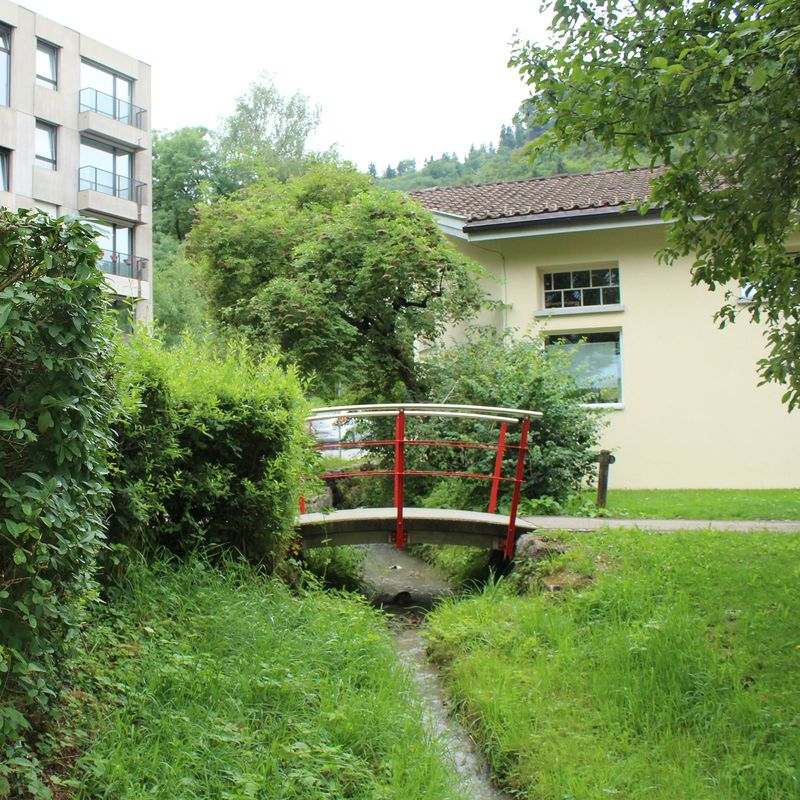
{"x": 693, "y": 415}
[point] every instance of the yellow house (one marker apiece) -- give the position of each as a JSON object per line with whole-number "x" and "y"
{"x": 682, "y": 398}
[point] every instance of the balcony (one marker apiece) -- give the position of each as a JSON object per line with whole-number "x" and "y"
{"x": 122, "y": 265}
{"x": 110, "y": 118}
{"x": 103, "y": 192}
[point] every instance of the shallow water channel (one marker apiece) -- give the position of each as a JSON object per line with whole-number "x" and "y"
{"x": 406, "y": 587}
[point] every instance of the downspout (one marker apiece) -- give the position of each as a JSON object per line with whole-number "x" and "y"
{"x": 505, "y": 282}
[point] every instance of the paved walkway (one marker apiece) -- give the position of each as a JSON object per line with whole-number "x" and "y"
{"x": 599, "y": 523}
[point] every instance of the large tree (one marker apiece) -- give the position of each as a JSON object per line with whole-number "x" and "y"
{"x": 343, "y": 276}
{"x": 266, "y": 135}
{"x": 711, "y": 90}
{"x": 182, "y": 164}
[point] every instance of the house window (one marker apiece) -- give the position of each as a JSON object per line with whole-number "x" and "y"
{"x": 5, "y": 65}
{"x": 595, "y": 362}
{"x": 106, "y": 169}
{"x": 45, "y": 145}
{"x": 46, "y": 64}
{"x": 581, "y": 287}
{"x": 5, "y": 170}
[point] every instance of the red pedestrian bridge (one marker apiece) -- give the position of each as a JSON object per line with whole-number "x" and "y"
{"x": 401, "y": 525}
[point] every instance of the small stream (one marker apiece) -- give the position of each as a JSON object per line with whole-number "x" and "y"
{"x": 406, "y": 586}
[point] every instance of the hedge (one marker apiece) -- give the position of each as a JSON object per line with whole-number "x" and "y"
{"x": 210, "y": 450}
{"x": 55, "y": 409}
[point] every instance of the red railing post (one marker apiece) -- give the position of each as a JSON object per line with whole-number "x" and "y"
{"x": 399, "y": 478}
{"x": 302, "y": 504}
{"x": 518, "y": 477}
{"x": 498, "y": 467}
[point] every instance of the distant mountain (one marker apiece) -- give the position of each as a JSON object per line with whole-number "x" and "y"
{"x": 505, "y": 161}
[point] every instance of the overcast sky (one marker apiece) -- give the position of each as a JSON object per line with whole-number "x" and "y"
{"x": 406, "y": 79}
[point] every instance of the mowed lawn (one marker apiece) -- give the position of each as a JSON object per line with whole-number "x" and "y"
{"x": 674, "y": 674}
{"x": 199, "y": 684}
{"x": 704, "y": 503}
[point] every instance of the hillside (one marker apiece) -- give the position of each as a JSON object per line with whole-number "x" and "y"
{"x": 508, "y": 160}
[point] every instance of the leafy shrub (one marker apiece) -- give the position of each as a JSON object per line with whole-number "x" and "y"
{"x": 211, "y": 447}
{"x": 55, "y": 406}
{"x": 493, "y": 369}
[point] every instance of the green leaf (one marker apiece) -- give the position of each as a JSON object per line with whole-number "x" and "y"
{"x": 45, "y": 421}
{"x": 5, "y": 311}
{"x": 659, "y": 62}
{"x": 758, "y": 77}
{"x": 7, "y": 424}
{"x": 19, "y": 556}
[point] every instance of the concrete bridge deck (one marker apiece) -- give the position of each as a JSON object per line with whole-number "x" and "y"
{"x": 422, "y": 526}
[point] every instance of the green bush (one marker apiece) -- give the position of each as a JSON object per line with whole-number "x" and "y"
{"x": 55, "y": 407}
{"x": 210, "y": 450}
{"x": 493, "y": 369}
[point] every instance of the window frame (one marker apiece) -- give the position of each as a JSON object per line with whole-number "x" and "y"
{"x": 9, "y": 33}
{"x": 41, "y": 80}
{"x": 551, "y": 338}
{"x": 116, "y": 153}
{"x": 40, "y": 160}
{"x": 116, "y": 76}
{"x": 5, "y": 169}
{"x": 571, "y": 270}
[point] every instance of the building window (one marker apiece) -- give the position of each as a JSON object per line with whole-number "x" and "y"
{"x": 116, "y": 242}
{"x": 46, "y": 64}
{"x": 581, "y": 287}
{"x": 5, "y": 65}
{"x": 5, "y": 170}
{"x": 108, "y": 93}
{"x": 107, "y": 169}
{"x": 595, "y": 362}
{"x": 45, "y": 145}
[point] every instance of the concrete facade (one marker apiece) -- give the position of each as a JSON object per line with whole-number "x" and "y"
{"x": 691, "y": 413}
{"x": 82, "y": 115}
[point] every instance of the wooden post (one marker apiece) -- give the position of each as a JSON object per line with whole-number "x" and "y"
{"x": 604, "y": 459}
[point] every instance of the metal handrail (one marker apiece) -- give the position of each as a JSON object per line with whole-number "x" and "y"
{"x": 433, "y": 409}
{"x": 122, "y": 264}
{"x": 105, "y": 182}
{"x": 110, "y": 106}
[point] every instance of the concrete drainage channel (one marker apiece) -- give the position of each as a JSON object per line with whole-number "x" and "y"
{"x": 406, "y": 586}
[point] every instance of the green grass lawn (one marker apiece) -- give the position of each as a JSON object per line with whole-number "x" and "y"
{"x": 201, "y": 684}
{"x": 672, "y": 675}
{"x": 704, "y": 503}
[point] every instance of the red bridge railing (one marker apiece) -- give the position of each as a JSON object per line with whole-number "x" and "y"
{"x": 401, "y": 411}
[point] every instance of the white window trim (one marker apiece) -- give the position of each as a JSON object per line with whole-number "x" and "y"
{"x": 615, "y": 308}
{"x": 581, "y": 266}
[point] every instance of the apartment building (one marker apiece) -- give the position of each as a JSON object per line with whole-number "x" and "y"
{"x": 75, "y": 139}
{"x": 570, "y": 262}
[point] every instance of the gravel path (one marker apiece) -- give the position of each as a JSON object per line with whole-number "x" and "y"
{"x": 599, "y": 523}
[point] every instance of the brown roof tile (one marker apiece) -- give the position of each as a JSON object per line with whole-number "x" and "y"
{"x": 558, "y": 193}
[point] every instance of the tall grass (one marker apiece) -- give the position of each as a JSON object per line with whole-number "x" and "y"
{"x": 206, "y": 684}
{"x": 673, "y": 676}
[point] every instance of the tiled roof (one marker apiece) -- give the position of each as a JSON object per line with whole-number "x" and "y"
{"x": 528, "y": 198}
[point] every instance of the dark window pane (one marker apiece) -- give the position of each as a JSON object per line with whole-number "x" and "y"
{"x": 613, "y": 277}
{"x": 5, "y": 78}
{"x": 548, "y": 281}
{"x": 580, "y": 279}
{"x": 611, "y": 295}
{"x": 572, "y": 298}
{"x": 552, "y": 300}
{"x": 600, "y": 277}
{"x": 591, "y": 297}
{"x": 4, "y": 170}
{"x": 561, "y": 280}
